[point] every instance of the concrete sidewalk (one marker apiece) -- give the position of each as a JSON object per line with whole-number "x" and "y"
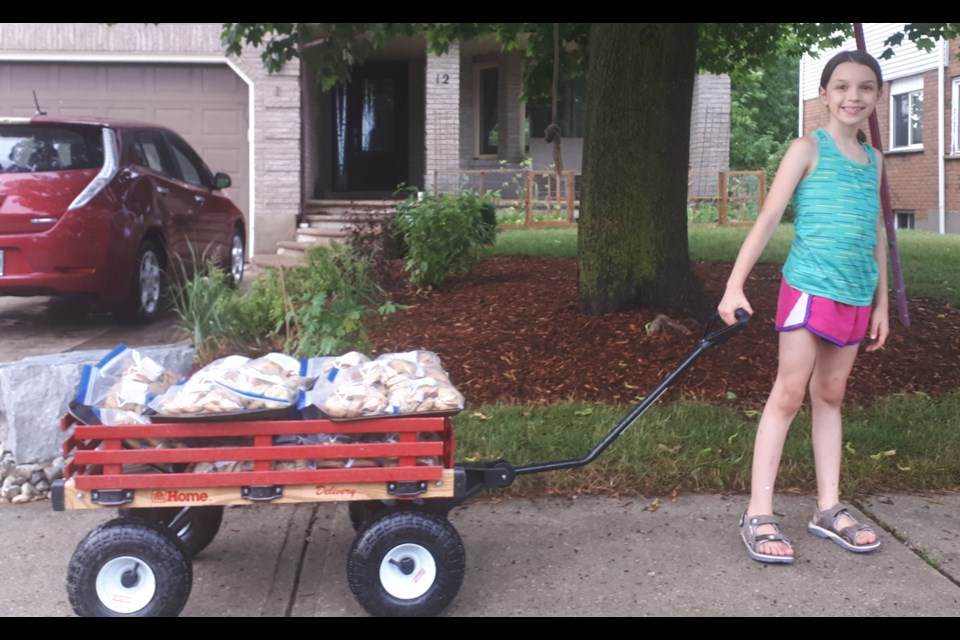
{"x": 586, "y": 556}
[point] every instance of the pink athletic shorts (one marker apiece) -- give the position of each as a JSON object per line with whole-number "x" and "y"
{"x": 840, "y": 323}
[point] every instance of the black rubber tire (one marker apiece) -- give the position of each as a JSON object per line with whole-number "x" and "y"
{"x": 196, "y": 527}
{"x": 389, "y": 536}
{"x": 148, "y": 287}
{"x": 362, "y": 511}
{"x": 152, "y": 550}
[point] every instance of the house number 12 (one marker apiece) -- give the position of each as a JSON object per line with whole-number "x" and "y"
{"x": 443, "y": 78}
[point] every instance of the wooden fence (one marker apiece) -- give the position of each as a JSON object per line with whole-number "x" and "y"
{"x": 738, "y": 200}
{"x": 544, "y": 198}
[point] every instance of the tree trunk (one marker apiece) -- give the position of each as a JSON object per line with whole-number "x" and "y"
{"x": 633, "y": 250}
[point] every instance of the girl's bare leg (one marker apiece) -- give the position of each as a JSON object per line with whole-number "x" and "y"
{"x": 798, "y": 354}
{"x": 828, "y": 384}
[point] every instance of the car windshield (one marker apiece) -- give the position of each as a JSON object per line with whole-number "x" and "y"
{"x": 31, "y": 148}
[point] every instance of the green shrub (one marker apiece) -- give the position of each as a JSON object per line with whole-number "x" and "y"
{"x": 320, "y": 308}
{"x": 488, "y": 218}
{"x": 443, "y": 234}
{"x": 200, "y": 300}
{"x": 702, "y": 212}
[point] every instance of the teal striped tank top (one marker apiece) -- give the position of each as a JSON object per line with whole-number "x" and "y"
{"x": 836, "y": 227}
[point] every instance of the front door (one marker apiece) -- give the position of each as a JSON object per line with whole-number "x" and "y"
{"x": 370, "y": 129}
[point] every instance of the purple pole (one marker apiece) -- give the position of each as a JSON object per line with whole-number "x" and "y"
{"x": 904, "y": 313}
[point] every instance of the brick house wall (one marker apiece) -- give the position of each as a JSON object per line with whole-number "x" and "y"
{"x": 442, "y": 123}
{"x": 709, "y": 133}
{"x": 709, "y": 123}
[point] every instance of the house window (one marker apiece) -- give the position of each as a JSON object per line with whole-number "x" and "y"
{"x": 488, "y": 101}
{"x": 571, "y": 108}
{"x": 955, "y": 118}
{"x": 906, "y": 111}
{"x": 905, "y": 219}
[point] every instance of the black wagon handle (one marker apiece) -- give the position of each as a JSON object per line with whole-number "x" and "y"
{"x": 500, "y": 473}
{"x": 724, "y": 333}
{"x": 709, "y": 340}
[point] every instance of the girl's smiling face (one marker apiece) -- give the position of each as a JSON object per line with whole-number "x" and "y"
{"x": 852, "y": 93}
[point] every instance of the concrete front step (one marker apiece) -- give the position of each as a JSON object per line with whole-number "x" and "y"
{"x": 325, "y": 223}
{"x": 344, "y": 223}
{"x": 350, "y": 207}
{"x": 294, "y": 248}
{"x": 275, "y": 261}
{"x": 322, "y": 237}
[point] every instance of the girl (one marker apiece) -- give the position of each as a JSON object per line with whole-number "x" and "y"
{"x": 835, "y": 271}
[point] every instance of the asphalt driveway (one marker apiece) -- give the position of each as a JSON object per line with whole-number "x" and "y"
{"x": 45, "y": 325}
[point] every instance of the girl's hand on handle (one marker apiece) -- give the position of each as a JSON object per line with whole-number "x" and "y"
{"x": 879, "y": 328}
{"x": 733, "y": 300}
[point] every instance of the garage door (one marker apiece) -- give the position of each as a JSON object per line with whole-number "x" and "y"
{"x": 206, "y": 104}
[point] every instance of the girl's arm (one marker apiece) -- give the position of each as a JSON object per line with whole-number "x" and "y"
{"x": 880, "y": 317}
{"x": 796, "y": 163}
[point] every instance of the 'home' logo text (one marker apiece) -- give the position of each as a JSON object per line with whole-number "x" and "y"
{"x": 179, "y": 496}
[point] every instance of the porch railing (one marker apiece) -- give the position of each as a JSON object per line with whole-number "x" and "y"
{"x": 543, "y": 197}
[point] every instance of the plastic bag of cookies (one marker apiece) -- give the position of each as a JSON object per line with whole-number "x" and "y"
{"x": 124, "y": 380}
{"x": 400, "y": 383}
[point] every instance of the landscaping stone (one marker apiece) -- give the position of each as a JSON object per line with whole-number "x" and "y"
{"x": 35, "y": 393}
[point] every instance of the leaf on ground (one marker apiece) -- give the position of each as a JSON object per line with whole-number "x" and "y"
{"x": 884, "y": 454}
{"x": 849, "y": 448}
{"x": 731, "y": 395}
{"x": 479, "y": 416}
{"x": 584, "y": 412}
{"x": 664, "y": 447}
{"x": 903, "y": 468}
{"x": 653, "y": 506}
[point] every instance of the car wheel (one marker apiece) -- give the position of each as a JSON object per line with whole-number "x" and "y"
{"x": 238, "y": 250}
{"x": 147, "y": 289}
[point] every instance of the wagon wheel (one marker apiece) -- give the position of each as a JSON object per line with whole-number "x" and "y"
{"x": 195, "y": 526}
{"x": 406, "y": 563}
{"x": 129, "y": 568}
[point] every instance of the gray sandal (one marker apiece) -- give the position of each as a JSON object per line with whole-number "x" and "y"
{"x": 752, "y": 540}
{"x": 824, "y": 525}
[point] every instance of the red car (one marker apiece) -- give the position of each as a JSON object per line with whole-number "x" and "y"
{"x": 109, "y": 208}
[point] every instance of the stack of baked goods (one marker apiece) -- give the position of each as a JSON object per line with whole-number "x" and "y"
{"x": 119, "y": 387}
{"x": 404, "y": 383}
{"x": 235, "y": 384}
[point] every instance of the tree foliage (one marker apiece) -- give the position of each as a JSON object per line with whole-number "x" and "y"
{"x": 335, "y": 47}
{"x": 763, "y": 115}
{"x": 616, "y": 274}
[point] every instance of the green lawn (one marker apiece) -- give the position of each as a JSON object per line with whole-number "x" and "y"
{"x": 906, "y": 443}
{"x": 930, "y": 262}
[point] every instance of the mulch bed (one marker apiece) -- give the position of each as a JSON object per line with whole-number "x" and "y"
{"x": 511, "y": 331}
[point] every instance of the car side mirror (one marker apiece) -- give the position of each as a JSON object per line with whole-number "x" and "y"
{"x": 221, "y": 181}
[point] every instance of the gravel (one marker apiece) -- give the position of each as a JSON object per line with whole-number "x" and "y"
{"x": 29, "y": 482}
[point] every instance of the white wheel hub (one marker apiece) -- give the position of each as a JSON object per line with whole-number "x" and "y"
{"x": 408, "y": 571}
{"x": 236, "y": 258}
{"x": 126, "y": 584}
{"x": 149, "y": 282}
